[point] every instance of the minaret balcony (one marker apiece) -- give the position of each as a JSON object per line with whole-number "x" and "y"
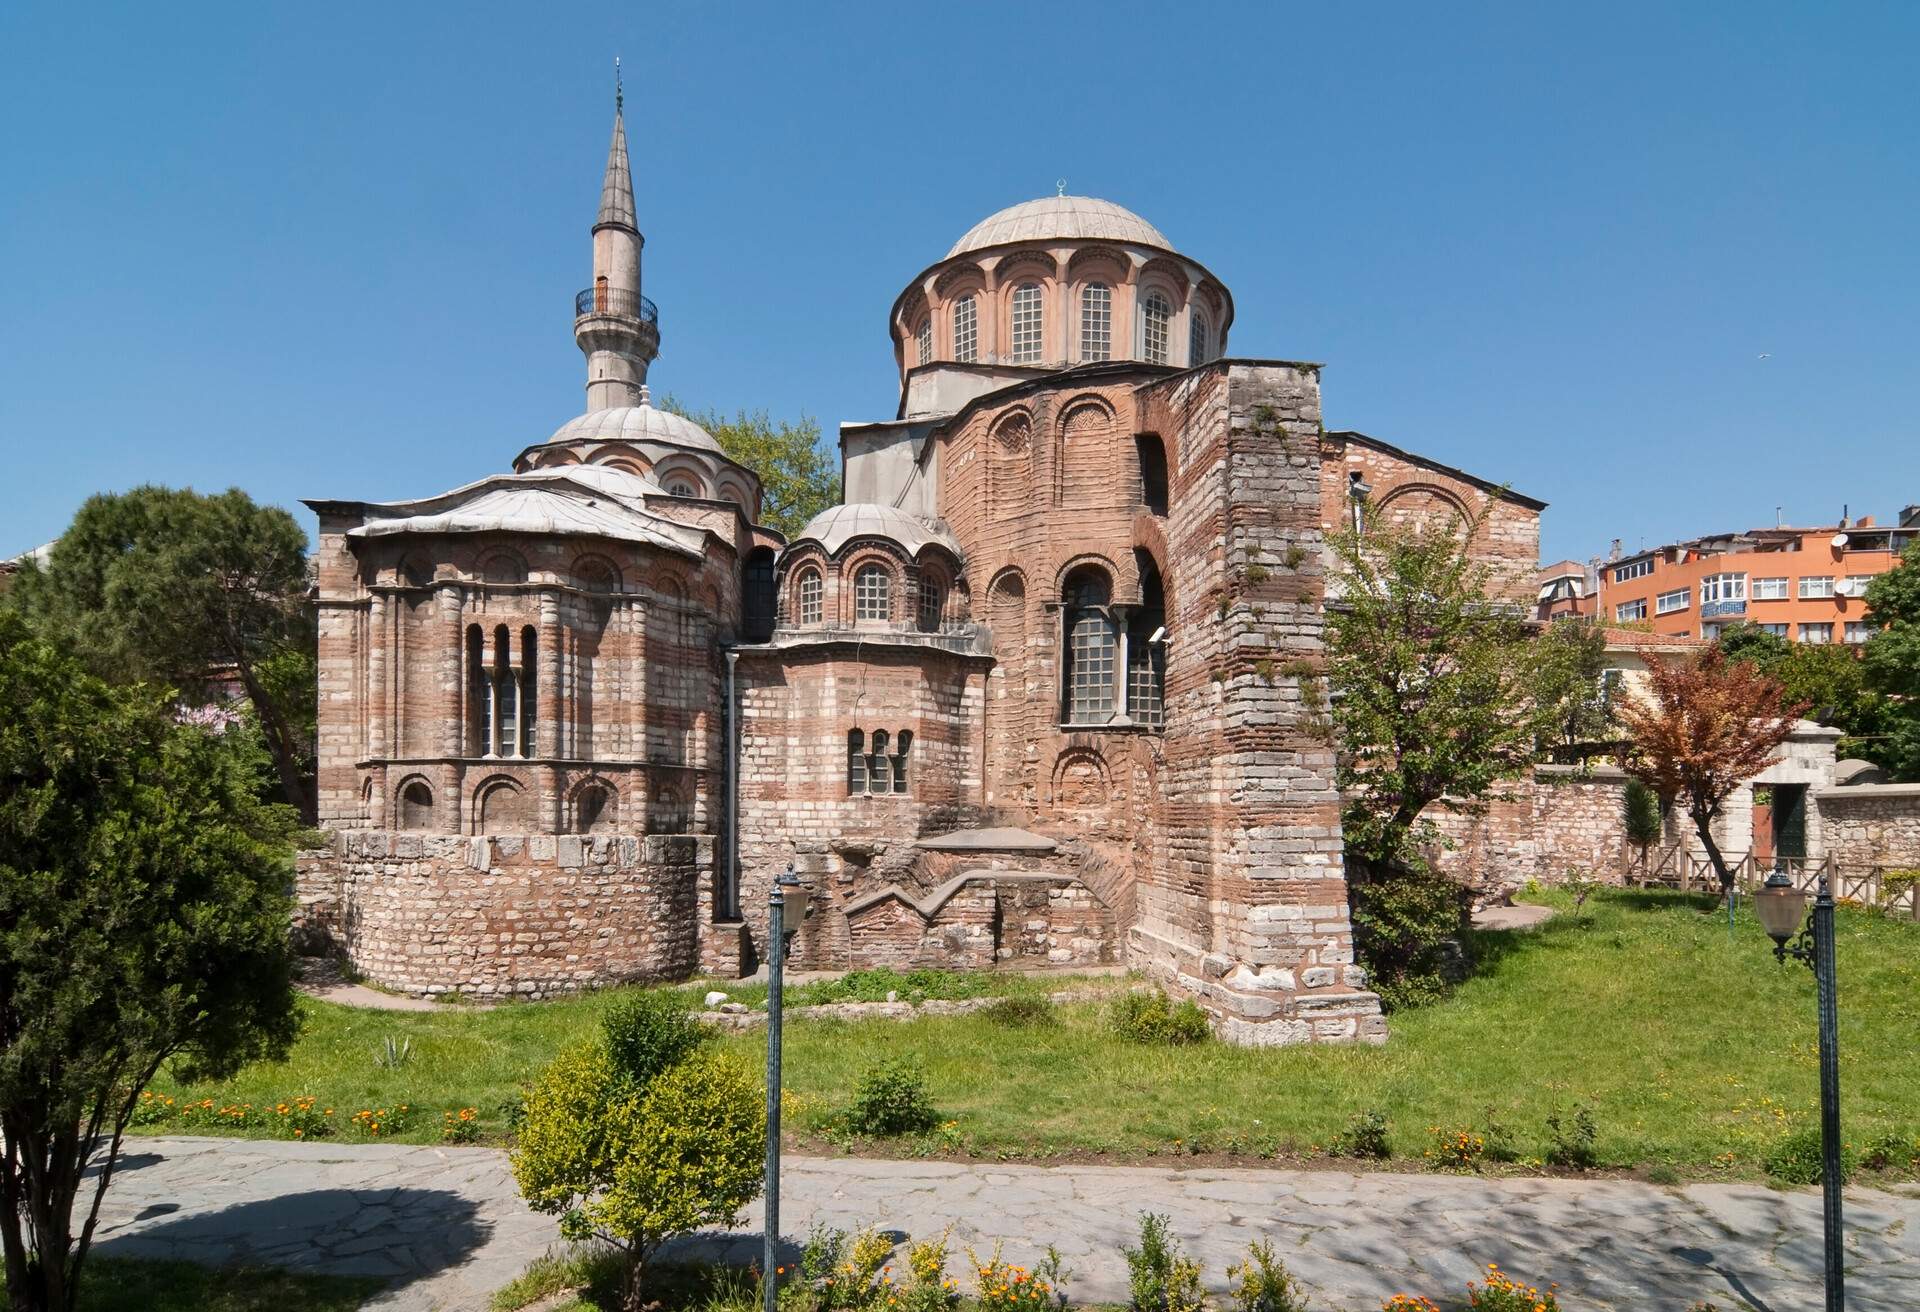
{"x": 612, "y": 303}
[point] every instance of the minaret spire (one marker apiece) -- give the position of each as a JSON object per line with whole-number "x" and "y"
{"x": 617, "y": 328}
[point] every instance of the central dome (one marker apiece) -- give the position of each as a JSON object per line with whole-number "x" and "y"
{"x": 643, "y": 423}
{"x": 1074, "y": 218}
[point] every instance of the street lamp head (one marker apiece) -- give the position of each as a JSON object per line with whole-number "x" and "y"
{"x": 1780, "y": 906}
{"x": 795, "y": 896}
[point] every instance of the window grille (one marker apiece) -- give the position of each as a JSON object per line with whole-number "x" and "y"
{"x": 1096, "y": 322}
{"x": 810, "y": 597}
{"x": 872, "y": 599}
{"x": 1027, "y": 323}
{"x": 856, "y": 763}
{"x": 1155, "y": 314}
{"x": 966, "y": 330}
{"x": 1197, "y": 339}
{"x": 926, "y": 341}
{"x": 931, "y": 597}
{"x": 902, "y": 745}
{"x": 879, "y": 766}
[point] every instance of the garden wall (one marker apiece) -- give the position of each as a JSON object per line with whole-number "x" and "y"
{"x": 1871, "y": 825}
{"x": 1556, "y": 821}
{"x": 506, "y": 915}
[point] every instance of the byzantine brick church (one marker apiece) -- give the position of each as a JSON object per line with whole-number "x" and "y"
{"x": 1044, "y": 691}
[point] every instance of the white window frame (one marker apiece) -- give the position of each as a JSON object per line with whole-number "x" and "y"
{"x": 1096, "y": 322}
{"x": 1856, "y": 632}
{"x": 1629, "y": 611}
{"x": 966, "y": 330}
{"x": 872, "y": 593}
{"x": 1809, "y": 628}
{"x": 1669, "y": 602}
{"x": 1771, "y": 589}
{"x": 1723, "y": 587}
{"x": 924, "y": 341}
{"x": 1778, "y": 630}
{"x": 1028, "y": 338}
{"x": 1633, "y": 569}
{"x": 1816, "y": 587}
{"x": 1156, "y": 326}
{"x": 812, "y": 597}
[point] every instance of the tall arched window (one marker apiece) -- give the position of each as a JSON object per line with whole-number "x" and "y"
{"x": 1197, "y": 339}
{"x": 757, "y": 601}
{"x": 879, "y": 764}
{"x": 1155, "y": 314}
{"x": 931, "y": 600}
{"x": 501, "y": 691}
{"x": 872, "y": 593}
{"x": 856, "y": 763}
{"x": 966, "y": 330}
{"x": 810, "y": 592}
{"x": 1096, "y": 321}
{"x": 1027, "y": 323}
{"x": 924, "y": 347}
{"x": 1146, "y": 658}
{"x": 1089, "y": 657}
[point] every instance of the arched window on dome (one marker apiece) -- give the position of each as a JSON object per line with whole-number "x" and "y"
{"x": 1028, "y": 321}
{"x": 966, "y": 330}
{"x": 1197, "y": 339}
{"x": 1155, "y": 314}
{"x": 930, "y": 602}
{"x": 1087, "y": 662}
{"x": 680, "y": 488}
{"x": 809, "y": 609}
{"x": 925, "y": 342}
{"x": 872, "y": 593}
{"x": 1096, "y": 321}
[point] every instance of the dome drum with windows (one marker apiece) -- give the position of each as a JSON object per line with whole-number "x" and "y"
{"x": 1059, "y": 282}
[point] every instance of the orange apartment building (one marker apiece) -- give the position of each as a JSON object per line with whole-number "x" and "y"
{"x": 1804, "y": 584}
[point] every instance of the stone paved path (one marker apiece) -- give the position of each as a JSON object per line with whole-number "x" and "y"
{"x": 447, "y": 1227}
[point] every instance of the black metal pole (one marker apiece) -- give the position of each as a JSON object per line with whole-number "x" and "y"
{"x": 1824, "y": 971}
{"x": 776, "y": 949}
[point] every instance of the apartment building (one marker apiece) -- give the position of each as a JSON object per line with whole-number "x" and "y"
{"x": 1804, "y": 584}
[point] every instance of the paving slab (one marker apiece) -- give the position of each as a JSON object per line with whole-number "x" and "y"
{"x": 446, "y": 1226}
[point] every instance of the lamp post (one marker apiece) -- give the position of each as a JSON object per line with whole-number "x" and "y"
{"x": 1780, "y": 907}
{"x": 788, "y": 884}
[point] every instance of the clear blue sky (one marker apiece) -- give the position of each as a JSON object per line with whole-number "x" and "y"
{"x": 329, "y": 250}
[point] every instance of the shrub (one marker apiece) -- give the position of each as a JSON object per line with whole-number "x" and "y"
{"x": 462, "y": 1126}
{"x": 302, "y": 1118}
{"x": 1570, "y": 1139}
{"x": 1796, "y": 1158}
{"x": 1497, "y": 1140}
{"x": 1455, "y": 1150}
{"x": 1891, "y": 1150}
{"x": 874, "y": 985}
{"x": 383, "y": 1122}
{"x": 1152, "y": 1017}
{"x": 892, "y": 1099}
{"x": 1366, "y": 1135}
{"x": 1642, "y": 814}
{"x": 1262, "y": 1282}
{"x": 1407, "y": 924}
{"x": 1663, "y": 1173}
{"x": 634, "y": 1166}
{"x": 1160, "y": 1277}
{"x": 932, "y": 1290}
{"x": 1000, "y": 1286}
{"x": 1023, "y": 1011}
{"x": 1501, "y": 1293}
{"x": 1409, "y": 1303}
{"x": 649, "y": 1031}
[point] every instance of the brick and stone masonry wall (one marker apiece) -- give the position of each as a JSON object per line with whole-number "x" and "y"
{"x": 520, "y": 916}
{"x": 1868, "y": 825}
{"x": 1246, "y": 907}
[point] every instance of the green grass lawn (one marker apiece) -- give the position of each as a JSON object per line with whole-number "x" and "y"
{"x": 1692, "y": 1047}
{"x": 124, "y": 1285}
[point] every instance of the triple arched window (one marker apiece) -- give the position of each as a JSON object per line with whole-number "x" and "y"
{"x": 1096, "y": 322}
{"x": 502, "y": 690}
{"x": 1113, "y": 661}
{"x": 872, "y": 769}
{"x": 1028, "y": 321}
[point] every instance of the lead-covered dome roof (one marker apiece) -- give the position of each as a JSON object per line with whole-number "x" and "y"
{"x": 1071, "y": 218}
{"x": 636, "y": 423}
{"x": 836, "y": 526}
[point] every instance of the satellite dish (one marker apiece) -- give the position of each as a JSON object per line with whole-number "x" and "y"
{"x": 1839, "y": 541}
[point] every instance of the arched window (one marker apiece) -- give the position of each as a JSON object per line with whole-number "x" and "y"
{"x": 1088, "y": 660}
{"x": 856, "y": 763}
{"x": 902, "y": 745}
{"x": 502, "y": 809}
{"x": 1155, "y": 314}
{"x": 879, "y": 764}
{"x": 1197, "y": 339}
{"x": 1152, "y": 459}
{"x": 966, "y": 331}
{"x": 925, "y": 344}
{"x": 810, "y": 608}
{"x": 931, "y": 601}
{"x": 1096, "y": 321}
{"x": 872, "y": 593}
{"x": 1146, "y": 658}
{"x": 1027, "y": 323}
{"x": 502, "y": 691}
{"x": 680, "y": 488}
{"x": 416, "y": 805}
{"x": 595, "y": 810}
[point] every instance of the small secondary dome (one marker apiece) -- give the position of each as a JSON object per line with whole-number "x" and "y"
{"x": 836, "y": 526}
{"x": 1074, "y": 218}
{"x": 636, "y": 423}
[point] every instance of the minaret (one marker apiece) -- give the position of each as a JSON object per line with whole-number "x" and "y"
{"x": 617, "y": 328}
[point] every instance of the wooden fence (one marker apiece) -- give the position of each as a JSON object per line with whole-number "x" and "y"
{"x": 1691, "y": 872}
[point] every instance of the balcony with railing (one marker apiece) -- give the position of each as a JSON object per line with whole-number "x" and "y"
{"x": 612, "y": 303}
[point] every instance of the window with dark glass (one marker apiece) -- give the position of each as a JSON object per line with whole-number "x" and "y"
{"x": 1090, "y": 646}
{"x": 1153, "y": 472}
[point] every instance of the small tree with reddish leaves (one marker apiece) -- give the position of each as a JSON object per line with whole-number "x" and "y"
{"x": 1702, "y": 729}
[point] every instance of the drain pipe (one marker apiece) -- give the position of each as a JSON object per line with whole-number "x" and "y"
{"x": 732, "y": 883}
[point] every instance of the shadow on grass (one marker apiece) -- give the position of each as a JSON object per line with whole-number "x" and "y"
{"x": 397, "y": 1236}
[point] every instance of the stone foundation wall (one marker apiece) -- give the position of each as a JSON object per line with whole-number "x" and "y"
{"x": 509, "y": 916}
{"x": 1871, "y": 825}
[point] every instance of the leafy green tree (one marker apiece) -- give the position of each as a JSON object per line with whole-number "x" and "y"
{"x": 1569, "y": 660}
{"x": 1829, "y": 680}
{"x": 1435, "y": 682}
{"x": 176, "y": 587}
{"x": 1891, "y": 662}
{"x": 630, "y": 1151}
{"x": 797, "y": 477}
{"x": 143, "y": 919}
